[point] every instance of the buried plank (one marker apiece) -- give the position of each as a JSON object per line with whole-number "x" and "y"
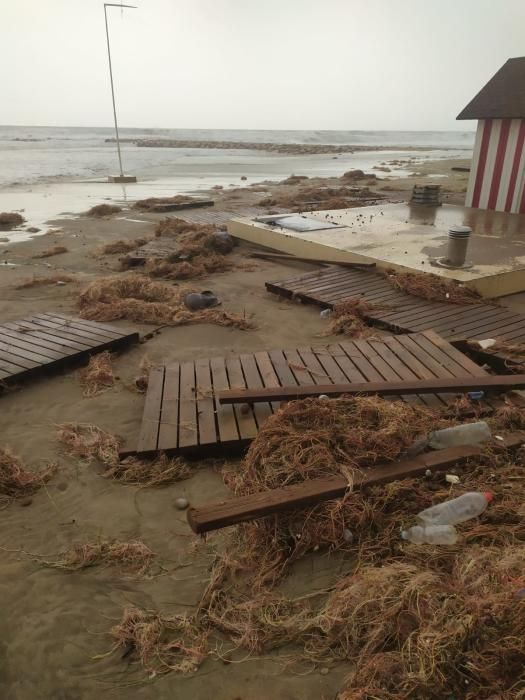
{"x": 393, "y": 388}
{"x": 259, "y": 505}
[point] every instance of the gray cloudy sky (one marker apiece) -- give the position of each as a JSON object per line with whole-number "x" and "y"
{"x": 276, "y": 64}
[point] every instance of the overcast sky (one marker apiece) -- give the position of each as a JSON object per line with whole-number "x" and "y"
{"x": 254, "y": 64}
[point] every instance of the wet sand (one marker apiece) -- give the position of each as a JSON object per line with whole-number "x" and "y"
{"x": 54, "y": 623}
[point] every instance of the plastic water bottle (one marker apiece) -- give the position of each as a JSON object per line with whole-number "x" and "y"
{"x": 432, "y": 534}
{"x": 457, "y": 510}
{"x": 466, "y": 434}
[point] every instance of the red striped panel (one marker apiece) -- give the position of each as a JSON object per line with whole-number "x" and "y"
{"x": 480, "y": 172}
{"x": 515, "y": 166}
{"x": 498, "y": 163}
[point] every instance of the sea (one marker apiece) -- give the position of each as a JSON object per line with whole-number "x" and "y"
{"x": 50, "y": 173}
{"x": 36, "y": 154}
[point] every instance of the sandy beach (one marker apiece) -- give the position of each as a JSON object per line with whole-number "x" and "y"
{"x": 55, "y": 624}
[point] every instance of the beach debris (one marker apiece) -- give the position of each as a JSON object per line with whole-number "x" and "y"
{"x": 49, "y": 252}
{"x": 429, "y": 286}
{"x": 140, "y": 383}
{"x": 91, "y": 443}
{"x": 452, "y": 479}
{"x": 310, "y": 197}
{"x": 200, "y": 300}
{"x": 457, "y": 510}
{"x": 33, "y": 229}
{"x": 464, "y": 434}
{"x": 486, "y": 343}
{"x": 160, "y": 643}
{"x": 137, "y": 298}
{"x": 431, "y": 534}
{"x": 43, "y": 281}
{"x": 181, "y": 503}
{"x": 101, "y": 210}
{"x": 133, "y": 556}
{"x": 325, "y": 313}
{"x": 123, "y": 246}
{"x": 98, "y": 375}
{"x": 10, "y": 219}
{"x": 162, "y": 204}
{"x": 17, "y": 482}
{"x": 349, "y": 318}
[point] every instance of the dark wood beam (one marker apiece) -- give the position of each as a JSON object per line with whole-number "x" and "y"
{"x": 259, "y": 505}
{"x": 417, "y": 386}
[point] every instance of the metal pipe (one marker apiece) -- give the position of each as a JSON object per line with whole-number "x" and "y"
{"x": 111, "y": 4}
{"x": 458, "y": 239}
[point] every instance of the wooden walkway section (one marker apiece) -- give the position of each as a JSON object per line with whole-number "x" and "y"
{"x": 183, "y": 416}
{"x": 401, "y": 312}
{"x": 50, "y": 341}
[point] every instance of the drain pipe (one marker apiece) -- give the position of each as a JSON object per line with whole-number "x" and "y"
{"x": 458, "y": 239}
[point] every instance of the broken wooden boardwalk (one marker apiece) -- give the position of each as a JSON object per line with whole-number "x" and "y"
{"x": 50, "y": 341}
{"x": 182, "y": 413}
{"x": 401, "y": 312}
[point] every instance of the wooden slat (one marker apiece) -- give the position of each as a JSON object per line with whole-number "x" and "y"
{"x": 169, "y": 412}
{"x": 17, "y": 340}
{"x": 92, "y": 329}
{"x": 267, "y": 372}
{"x": 245, "y": 417}
{"x": 228, "y": 431}
{"x": 149, "y": 431}
{"x": 187, "y": 406}
{"x": 251, "y": 374}
{"x": 205, "y": 403}
{"x": 225, "y": 513}
{"x": 31, "y": 330}
{"x": 382, "y": 388}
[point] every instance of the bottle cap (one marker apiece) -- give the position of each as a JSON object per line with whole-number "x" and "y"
{"x": 488, "y": 496}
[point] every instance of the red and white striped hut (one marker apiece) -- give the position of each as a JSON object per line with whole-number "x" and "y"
{"x": 497, "y": 175}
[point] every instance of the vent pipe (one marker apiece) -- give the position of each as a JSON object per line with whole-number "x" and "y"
{"x": 458, "y": 239}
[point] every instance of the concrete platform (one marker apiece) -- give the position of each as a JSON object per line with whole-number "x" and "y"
{"x": 406, "y": 238}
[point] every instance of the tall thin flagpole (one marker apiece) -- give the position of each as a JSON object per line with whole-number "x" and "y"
{"x": 110, "y": 4}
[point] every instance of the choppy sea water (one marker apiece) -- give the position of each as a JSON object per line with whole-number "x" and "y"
{"x": 32, "y": 154}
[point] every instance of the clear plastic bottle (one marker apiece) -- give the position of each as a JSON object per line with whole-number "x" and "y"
{"x": 457, "y": 510}
{"x": 466, "y": 434}
{"x": 432, "y": 534}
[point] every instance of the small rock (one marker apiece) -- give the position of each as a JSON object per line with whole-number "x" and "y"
{"x": 26, "y": 501}
{"x": 181, "y": 503}
{"x": 61, "y": 283}
{"x": 324, "y": 671}
{"x": 62, "y": 485}
{"x": 452, "y": 479}
{"x": 243, "y": 177}
{"x": 348, "y": 535}
{"x": 323, "y": 397}
{"x": 428, "y": 473}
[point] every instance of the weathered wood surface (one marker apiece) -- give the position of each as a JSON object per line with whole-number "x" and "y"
{"x": 504, "y": 382}
{"x": 398, "y": 311}
{"x": 182, "y": 414}
{"x": 259, "y": 505}
{"x": 49, "y": 341}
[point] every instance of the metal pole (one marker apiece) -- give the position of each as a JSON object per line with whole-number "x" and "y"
{"x": 109, "y": 4}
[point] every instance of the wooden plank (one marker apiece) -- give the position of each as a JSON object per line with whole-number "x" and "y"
{"x": 188, "y": 434}
{"x": 228, "y": 430}
{"x": 330, "y": 365}
{"x": 33, "y": 331}
{"x": 18, "y": 340}
{"x": 251, "y": 375}
{"x": 205, "y": 403}
{"x": 169, "y": 415}
{"x": 17, "y": 351}
{"x": 245, "y": 417}
{"x": 91, "y": 327}
{"x": 281, "y": 367}
{"x": 117, "y": 332}
{"x": 225, "y": 513}
{"x": 149, "y": 430}
{"x": 87, "y": 337}
{"x": 455, "y": 355}
{"x": 382, "y": 388}
{"x": 314, "y": 261}
{"x": 406, "y": 367}
{"x": 21, "y": 362}
{"x": 267, "y": 372}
